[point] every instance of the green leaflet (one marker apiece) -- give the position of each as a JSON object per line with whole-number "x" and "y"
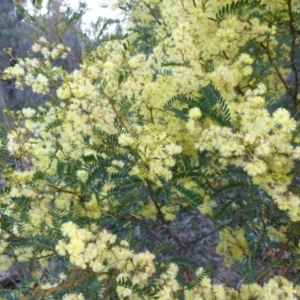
{"x": 238, "y": 7}
{"x": 196, "y": 281}
{"x": 192, "y": 196}
{"x": 234, "y": 186}
{"x": 212, "y": 105}
{"x": 214, "y": 96}
{"x": 181, "y": 260}
{"x": 161, "y": 248}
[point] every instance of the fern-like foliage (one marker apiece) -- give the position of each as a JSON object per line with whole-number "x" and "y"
{"x": 71, "y": 17}
{"x": 108, "y": 139}
{"x": 196, "y": 281}
{"x": 161, "y": 248}
{"x": 121, "y": 174}
{"x": 231, "y": 187}
{"x": 166, "y": 190}
{"x": 37, "y": 3}
{"x": 212, "y": 105}
{"x": 234, "y": 173}
{"x": 54, "y": 124}
{"x": 117, "y": 37}
{"x": 101, "y": 24}
{"x": 238, "y": 8}
{"x": 5, "y": 158}
{"x": 189, "y": 194}
{"x": 186, "y": 161}
{"x": 126, "y": 184}
{"x": 95, "y": 170}
{"x": 212, "y": 94}
{"x": 191, "y": 174}
{"x": 172, "y": 64}
{"x": 165, "y": 72}
{"x": 183, "y": 99}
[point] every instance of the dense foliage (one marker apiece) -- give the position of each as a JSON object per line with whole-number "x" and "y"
{"x": 194, "y": 110}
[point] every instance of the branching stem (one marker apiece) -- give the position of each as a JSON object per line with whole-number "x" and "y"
{"x": 294, "y": 92}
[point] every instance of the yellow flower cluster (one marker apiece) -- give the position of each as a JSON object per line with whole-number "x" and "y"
{"x": 111, "y": 111}
{"x": 5, "y": 260}
{"x": 233, "y": 245}
{"x": 31, "y": 72}
{"x": 276, "y": 288}
{"x": 73, "y": 297}
{"x": 156, "y": 153}
{"x": 261, "y": 144}
{"x": 96, "y": 251}
{"x": 167, "y": 283}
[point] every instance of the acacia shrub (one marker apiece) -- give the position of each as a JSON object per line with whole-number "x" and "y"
{"x": 139, "y": 135}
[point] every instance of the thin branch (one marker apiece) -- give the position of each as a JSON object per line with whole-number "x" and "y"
{"x": 224, "y": 282}
{"x": 60, "y": 189}
{"x": 111, "y": 102}
{"x": 262, "y": 277}
{"x": 293, "y": 51}
{"x": 41, "y": 293}
{"x": 152, "y": 14}
{"x": 239, "y": 90}
{"x": 225, "y": 55}
{"x": 161, "y": 216}
{"x": 7, "y": 230}
{"x": 153, "y": 198}
{"x": 271, "y": 60}
{"x": 79, "y": 60}
{"x": 43, "y": 28}
{"x": 203, "y": 236}
{"x": 284, "y": 246}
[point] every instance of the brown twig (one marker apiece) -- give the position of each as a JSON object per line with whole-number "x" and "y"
{"x": 239, "y": 90}
{"x": 151, "y": 12}
{"x": 130, "y": 216}
{"x": 261, "y": 279}
{"x": 111, "y": 102}
{"x": 43, "y": 28}
{"x": 284, "y": 246}
{"x": 152, "y": 196}
{"x": 41, "y": 293}
{"x": 271, "y": 60}
{"x": 203, "y": 236}
{"x": 277, "y": 255}
{"x": 225, "y": 55}
{"x": 7, "y": 230}
{"x": 60, "y": 189}
{"x": 280, "y": 76}
{"x": 161, "y": 217}
{"x": 293, "y": 50}
{"x": 73, "y": 283}
{"x": 224, "y": 282}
